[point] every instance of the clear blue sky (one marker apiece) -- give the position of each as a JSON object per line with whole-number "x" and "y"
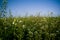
{"x": 33, "y": 7}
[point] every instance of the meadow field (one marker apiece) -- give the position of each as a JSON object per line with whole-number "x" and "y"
{"x": 30, "y": 28}
{"x": 29, "y": 19}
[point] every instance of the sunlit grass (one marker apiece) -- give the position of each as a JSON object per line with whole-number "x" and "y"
{"x": 30, "y": 28}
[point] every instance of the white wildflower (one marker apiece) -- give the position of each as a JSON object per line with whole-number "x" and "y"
{"x": 52, "y": 34}
{"x": 35, "y": 32}
{"x": 23, "y": 26}
{"x": 44, "y": 18}
{"x": 57, "y": 31}
{"x": 30, "y": 32}
{"x": 5, "y": 27}
{"x": 13, "y": 22}
{"x": 28, "y": 29}
{"x": 20, "y": 21}
{"x": 42, "y": 27}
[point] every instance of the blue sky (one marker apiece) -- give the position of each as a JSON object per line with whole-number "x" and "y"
{"x": 33, "y": 7}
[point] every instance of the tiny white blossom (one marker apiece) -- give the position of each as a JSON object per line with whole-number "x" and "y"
{"x": 44, "y": 18}
{"x": 14, "y": 20}
{"x": 42, "y": 27}
{"x": 5, "y": 27}
{"x": 28, "y": 29}
{"x": 52, "y": 34}
{"x": 20, "y": 21}
{"x": 36, "y": 32}
{"x": 13, "y": 23}
{"x": 30, "y": 32}
{"x": 23, "y": 26}
{"x": 57, "y": 31}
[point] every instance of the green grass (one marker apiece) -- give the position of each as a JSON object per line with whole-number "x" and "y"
{"x": 30, "y": 28}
